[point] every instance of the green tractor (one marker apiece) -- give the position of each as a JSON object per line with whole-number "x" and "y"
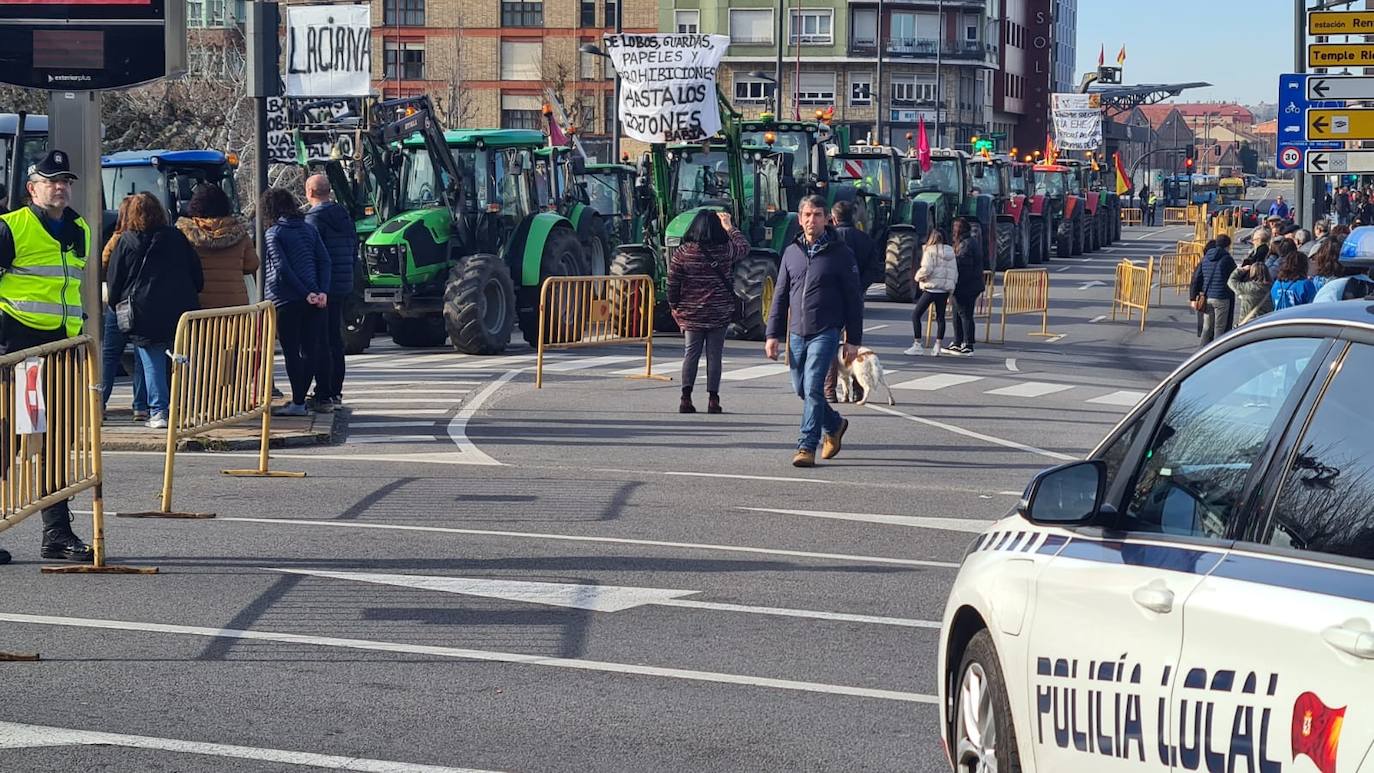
{"x": 805, "y": 140}
{"x": 468, "y": 247}
{"x": 1103, "y": 204}
{"x": 947, "y": 192}
{"x": 610, "y": 191}
{"x": 870, "y": 176}
{"x": 721, "y": 174}
{"x": 562, "y": 186}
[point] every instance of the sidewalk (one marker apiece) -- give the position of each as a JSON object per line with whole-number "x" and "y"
{"x": 120, "y": 433}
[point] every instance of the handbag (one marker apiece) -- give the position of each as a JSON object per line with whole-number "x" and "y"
{"x": 124, "y": 310}
{"x": 737, "y": 308}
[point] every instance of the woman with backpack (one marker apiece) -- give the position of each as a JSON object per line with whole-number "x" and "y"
{"x": 701, "y": 294}
{"x": 937, "y": 278}
{"x": 154, "y": 278}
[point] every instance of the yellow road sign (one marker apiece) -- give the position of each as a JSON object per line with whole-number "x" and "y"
{"x": 1340, "y": 23}
{"x": 1343, "y": 124}
{"x": 1340, "y": 55}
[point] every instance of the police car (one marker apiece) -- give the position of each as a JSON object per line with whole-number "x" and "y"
{"x": 1198, "y": 594}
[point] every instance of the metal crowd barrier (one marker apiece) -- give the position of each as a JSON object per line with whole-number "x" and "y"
{"x": 1176, "y": 271}
{"x": 1176, "y": 216}
{"x": 221, "y": 375}
{"x": 1132, "y": 291}
{"x": 581, "y": 311}
{"x": 1024, "y": 291}
{"x": 1132, "y": 216}
{"x": 982, "y": 308}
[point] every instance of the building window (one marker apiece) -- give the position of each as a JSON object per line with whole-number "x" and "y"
{"x": 522, "y": 60}
{"x": 521, "y": 111}
{"x": 971, "y": 29}
{"x": 588, "y": 13}
{"x": 914, "y": 33}
{"x": 688, "y": 22}
{"x": 860, "y": 89}
{"x": 611, "y": 115}
{"x": 816, "y": 88}
{"x": 865, "y": 29}
{"x": 751, "y": 25}
{"x": 611, "y": 8}
{"x": 522, "y": 14}
{"x": 911, "y": 90}
{"x": 403, "y": 13}
{"x": 751, "y": 89}
{"x": 404, "y": 61}
{"x": 587, "y": 65}
{"x": 812, "y": 26}
{"x": 213, "y": 14}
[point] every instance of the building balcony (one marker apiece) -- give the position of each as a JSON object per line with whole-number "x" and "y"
{"x": 925, "y": 48}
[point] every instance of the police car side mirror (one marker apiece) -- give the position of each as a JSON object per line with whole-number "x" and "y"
{"x": 1066, "y": 495}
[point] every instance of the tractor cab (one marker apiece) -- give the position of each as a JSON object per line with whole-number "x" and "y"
{"x": 868, "y": 176}
{"x": 610, "y": 191}
{"x": 804, "y": 140}
{"x": 1063, "y": 196}
{"x": 699, "y": 176}
{"x": 32, "y": 147}
{"x": 171, "y": 175}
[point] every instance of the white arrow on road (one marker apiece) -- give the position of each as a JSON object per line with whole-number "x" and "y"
{"x": 1094, "y": 283}
{"x": 597, "y": 598}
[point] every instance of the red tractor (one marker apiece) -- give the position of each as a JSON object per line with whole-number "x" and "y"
{"x": 1020, "y": 224}
{"x": 1067, "y": 209}
{"x": 1035, "y": 210}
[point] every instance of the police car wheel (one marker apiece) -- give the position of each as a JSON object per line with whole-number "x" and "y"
{"x": 984, "y": 739}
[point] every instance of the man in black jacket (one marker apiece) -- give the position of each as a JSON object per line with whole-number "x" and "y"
{"x": 818, "y": 294}
{"x": 340, "y": 239}
{"x": 868, "y": 260}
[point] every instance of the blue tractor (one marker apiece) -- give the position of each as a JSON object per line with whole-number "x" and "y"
{"x": 171, "y": 175}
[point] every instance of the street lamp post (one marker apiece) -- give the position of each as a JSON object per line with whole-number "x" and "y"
{"x": 594, "y": 50}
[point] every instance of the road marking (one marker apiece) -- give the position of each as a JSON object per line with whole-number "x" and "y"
{"x": 970, "y": 525}
{"x": 660, "y": 367}
{"x": 389, "y": 424}
{"x": 756, "y": 371}
{"x": 458, "y": 426}
{"x": 871, "y": 328}
{"x": 402, "y": 412}
{"x": 427, "y": 383}
{"x": 365, "y": 439}
{"x": 594, "y": 598}
{"x": 1055, "y": 339}
{"x": 452, "y": 396}
{"x": 781, "y": 478}
{"x": 1098, "y": 318}
{"x": 588, "y": 362}
{"x": 472, "y": 654}
{"x": 1062, "y": 270}
{"x": 1092, "y": 284}
{"x": 1123, "y": 397}
{"x": 937, "y": 381}
{"x": 997, "y": 441}
{"x": 1029, "y": 389}
{"x": 16, "y": 736}
{"x": 600, "y": 540}
{"x": 1011, "y": 365}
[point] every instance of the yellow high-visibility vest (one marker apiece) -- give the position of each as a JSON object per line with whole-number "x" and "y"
{"x": 43, "y": 288}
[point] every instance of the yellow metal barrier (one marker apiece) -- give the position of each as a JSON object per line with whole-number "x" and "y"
{"x": 1176, "y": 216}
{"x": 1132, "y": 291}
{"x": 982, "y": 308}
{"x": 221, "y": 375}
{"x": 581, "y": 311}
{"x": 1132, "y": 216}
{"x": 1024, "y": 291}
{"x": 1176, "y": 271}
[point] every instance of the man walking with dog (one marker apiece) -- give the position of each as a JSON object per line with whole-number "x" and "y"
{"x": 818, "y": 297}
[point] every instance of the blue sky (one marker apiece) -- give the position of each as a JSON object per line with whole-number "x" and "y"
{"x": 1241, "y": 46}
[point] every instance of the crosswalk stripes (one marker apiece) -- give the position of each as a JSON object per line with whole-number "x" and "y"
{"x": 937, "y": 381}
{"x": 754, "y": 371}
{"x": 1122, "y": 397}
{"x": 1029, "y": 389}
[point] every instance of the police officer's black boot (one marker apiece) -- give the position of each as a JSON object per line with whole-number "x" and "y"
{"x": 58, "y": 540}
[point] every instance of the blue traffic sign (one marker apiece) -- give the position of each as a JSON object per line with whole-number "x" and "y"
{"x": 1293, "y": 107}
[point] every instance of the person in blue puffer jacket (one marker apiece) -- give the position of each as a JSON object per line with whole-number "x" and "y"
{"x": 340, "y": 239}
{"x": 298, "y": 269}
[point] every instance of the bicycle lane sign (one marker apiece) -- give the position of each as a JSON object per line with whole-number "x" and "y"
{"x": 1292, "y": 143}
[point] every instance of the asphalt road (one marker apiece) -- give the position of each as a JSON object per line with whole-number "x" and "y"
{"x": 484, "y": 575}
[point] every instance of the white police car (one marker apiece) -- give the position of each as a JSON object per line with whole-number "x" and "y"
{"x": 1199, "y": 593}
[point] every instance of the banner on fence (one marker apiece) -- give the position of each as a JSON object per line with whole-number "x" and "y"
{"x": 668, "y": 84}
{"x": 329, "y": 51}
{"x": 1077, "y": 121}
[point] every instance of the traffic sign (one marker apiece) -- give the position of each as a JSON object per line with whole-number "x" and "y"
{"x": 1340, "y": 124}
{"x": 1340, "y": 23}
{"x": 1340, "y": 161}
{"x": 1328, "y": 87}
{"x": 1290, "y": 157}
{"x": 1293, "y": 107}
{"x": 1340, "y": 55}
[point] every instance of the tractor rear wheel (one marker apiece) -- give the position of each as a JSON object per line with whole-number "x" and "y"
{"x": 1065, "y": 238}
{"x": 630, "y": 261}
{"x": 1006, "y": 245}
{"x": 562, "y": 256}
{"x": 1039, "y": 241}
{"x": 359, "y": 328}
{"x": 900, "y": 268}
{"x": 479, "y": 304}
{"x": 756, "y": 276}
{"x": 595, "y": 247}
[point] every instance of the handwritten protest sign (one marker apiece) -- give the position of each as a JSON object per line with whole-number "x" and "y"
{"x": 328, "y": 51}
{"x": 668, "y": 84}
{"x": 1077, "y": 121}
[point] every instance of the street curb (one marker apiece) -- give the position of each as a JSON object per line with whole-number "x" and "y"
{"x": 244, "y": 437}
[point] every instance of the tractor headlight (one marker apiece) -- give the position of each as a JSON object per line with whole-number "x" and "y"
{"x": 672, "y": 242}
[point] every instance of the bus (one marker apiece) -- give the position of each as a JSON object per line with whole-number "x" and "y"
{"x": 1230, "y": 190}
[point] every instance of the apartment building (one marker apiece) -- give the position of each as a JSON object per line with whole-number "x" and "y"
{"x": 938, "y": 60}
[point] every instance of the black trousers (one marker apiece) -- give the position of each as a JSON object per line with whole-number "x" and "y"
{"x": 15, "y": 335}
{"x": 941, "y": 301}
{"x": 964, "y": 325}
{"x": 300, "y": 328}
{"x": 329, "y": 375}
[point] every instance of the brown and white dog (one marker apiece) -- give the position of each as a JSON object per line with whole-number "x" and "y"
{"x": 864, "y": 368}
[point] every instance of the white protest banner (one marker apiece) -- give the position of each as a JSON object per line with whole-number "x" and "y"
{"x": 328, "y": 51}
{"x": 668, "y": 84}
{"x": 30, "y": 410}
{"x": 281, "y": 149}
{"x": 1077, "y": 121}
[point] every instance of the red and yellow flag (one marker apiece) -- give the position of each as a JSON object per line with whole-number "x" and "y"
{"x": 1317, "y": 731}
{"x": 1123, "y": 182}
{"x": 1121, "y": 56}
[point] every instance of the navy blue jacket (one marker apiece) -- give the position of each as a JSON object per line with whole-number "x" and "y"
{"x": 1211, "y": 275}
{"x": 297, "y": 262}
{"x": 865, "y": 253}
{"x": 340, "y": 239}
{"x": 821, "y": 292}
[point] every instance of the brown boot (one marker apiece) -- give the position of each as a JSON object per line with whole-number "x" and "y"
{"x": 713, "y": 404}
{"x": 804, "y": 458}
{"x": 685, "y": 405}
{"x": 830, "y": 445}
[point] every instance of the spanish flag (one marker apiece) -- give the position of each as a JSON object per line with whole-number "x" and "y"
{"x": 1121, "y": 57}
{"x": 1123, "y": 182}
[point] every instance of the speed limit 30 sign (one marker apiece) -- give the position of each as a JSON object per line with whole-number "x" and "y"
{"x": 1290, "y": 157}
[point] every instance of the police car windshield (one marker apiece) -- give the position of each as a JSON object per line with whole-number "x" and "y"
{"x": 34, "y": 150}
{"x": 943, "y": 177}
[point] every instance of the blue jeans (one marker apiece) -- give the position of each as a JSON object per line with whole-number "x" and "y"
{"x": 810, "y": 359}
{"x": 156, "y": 372}
{"x": 112, "y": 347}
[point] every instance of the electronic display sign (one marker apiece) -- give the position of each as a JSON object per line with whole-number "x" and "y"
{"x": 82, "y": 44}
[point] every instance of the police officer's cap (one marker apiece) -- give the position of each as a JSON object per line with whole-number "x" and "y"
{"x": 55, "y": 165}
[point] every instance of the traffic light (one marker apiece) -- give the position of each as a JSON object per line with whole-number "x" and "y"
{"x": 1188, "y": 164}
{"x": 1191, "y": 152}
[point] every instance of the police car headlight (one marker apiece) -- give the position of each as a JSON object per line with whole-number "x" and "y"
{"x": 672, "y": 241}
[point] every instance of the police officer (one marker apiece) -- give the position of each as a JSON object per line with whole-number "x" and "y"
{"x": 42, "y": 261}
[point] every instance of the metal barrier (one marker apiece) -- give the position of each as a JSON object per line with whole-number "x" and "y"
{"x": 1132, "y": 216}
{"x": 1132, "y": 291}
{"x": 221, "y": 375}
{"x": 581, "y": 311}
{"x": 1024, "y": 291}
{"x": 1176, "y": 271}
{"x": 982, "y": 308}
{"x": 1176, "y": 216}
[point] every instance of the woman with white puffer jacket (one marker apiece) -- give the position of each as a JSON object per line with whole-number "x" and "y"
{"x": 937, "y": 277}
